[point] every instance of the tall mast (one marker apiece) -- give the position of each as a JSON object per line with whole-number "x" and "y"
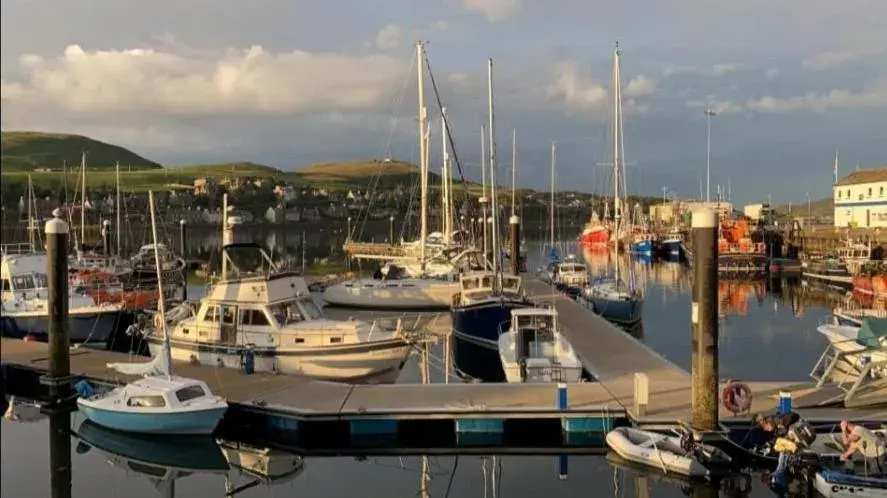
{"x": 225, "y": 240}
{"x": 31, "y": 214}
{"x": 836, "y": 165}
{"x": 117, "y": 206}
{"x": 513, "y": 168}
{"x": 483, "y": 193}
{"x": 161, "y": 306}
{"x": 423, "y": 164}
{"x": 617, "y": 156}
{"x": 551, "y": 206}
{"x": 494, "y": 204}
{"x": 82, "y": 199}
{"x": 445, "y": 174}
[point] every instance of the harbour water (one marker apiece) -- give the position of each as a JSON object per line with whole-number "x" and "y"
{"x": 768, "y": 331}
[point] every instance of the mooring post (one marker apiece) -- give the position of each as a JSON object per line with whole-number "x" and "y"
{"x": 183, "y": 252}
{"x": 59, "y": 380}
{"x": 106, "y": 238}
{"x": 563, "y": 469}
{"x": 641, "y": 394}
{"x": 514, "y": 223}
{"x": 60, "y": 454}
{"x": 704, "y": 319}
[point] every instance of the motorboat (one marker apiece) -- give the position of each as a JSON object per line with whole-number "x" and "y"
{"x": 671, "y": 454}
{"x": 482, "y": 306}
{"x": 25, "y": 301}
{"x": 268, "y": 315}
{"x": 532, "y": 349}
{"x": 395, "y": 288}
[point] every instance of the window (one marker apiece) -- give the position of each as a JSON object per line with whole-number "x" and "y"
{"x": 286, "y": 313}
{"x": 881, "y": 193}
{"x": 6, "y": 285}
{"x": 839, "y": 194}
{"x": 211, "y": 314}
{"x": 309, "y": 309}
{"x": 188, "y": 393}
{"x": 228, "y": 314}
{"x": 253, "y": 317}
{"x": 23, "y": 282}
{"x": 147, "y": 401}
{"x": 870, "y": 191}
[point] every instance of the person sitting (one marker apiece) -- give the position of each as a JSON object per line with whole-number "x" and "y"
{"x": 861, "y": 440}
{"x": 789, "y": 433}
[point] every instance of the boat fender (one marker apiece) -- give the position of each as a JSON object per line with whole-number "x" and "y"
{"x": 84, "y": 389}
{"x": 736, "y": 397}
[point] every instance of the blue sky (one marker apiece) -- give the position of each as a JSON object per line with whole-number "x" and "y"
{"x": 292, "y": 82}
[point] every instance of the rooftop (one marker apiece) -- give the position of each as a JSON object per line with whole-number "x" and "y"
{"x": 864, "y": 176}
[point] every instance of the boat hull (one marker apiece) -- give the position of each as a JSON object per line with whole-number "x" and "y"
{"x": 595, "y": 237}
{"x": 671, "y": 249}
{"x": 644, "y": 247}
{"x": 90, "y": 326}
{"x": 378, "y": 361}
{"x": 438, "y": 295}
{"x": 621, "y": 311}
{"x": 192, "y": 422}
{"x": 475, "y": 332}
{"x": 655, "y": 451}
{"x": 839, "y": 485}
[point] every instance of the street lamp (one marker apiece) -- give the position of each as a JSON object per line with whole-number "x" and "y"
{"x": 808, "y": 205}
{"x": 348, "y": 233}
{"x": 708, "y": 115}
{"x": 391, "y": 229}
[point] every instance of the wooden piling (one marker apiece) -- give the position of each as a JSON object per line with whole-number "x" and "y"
{"x": 514, "y": 224}
{"x": 59, "y": 345}
{"x": 60, "y": 454}
{"x": 704, "y": 321}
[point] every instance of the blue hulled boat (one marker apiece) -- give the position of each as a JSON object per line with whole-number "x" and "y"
{"x": 672, "y": 245}
{"x": 614, "y": 301}
{"x": 642, "y": 247}
{"x": 480, "y": 310}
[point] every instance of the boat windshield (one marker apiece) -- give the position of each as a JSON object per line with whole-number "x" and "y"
{"x": 572, "y": 268}
{"x": 29, "y": 281}
{"x": 539, "y": 323}
{"x": 309, "y": 308}
{"x": 295, "y": 311}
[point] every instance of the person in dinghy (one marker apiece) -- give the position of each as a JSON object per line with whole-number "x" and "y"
{"x": 789, "y": 434}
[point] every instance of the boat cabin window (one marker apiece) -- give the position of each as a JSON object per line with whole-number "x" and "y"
{"x": 487, "y": 282}
{"x": 511, "y": 284}
{"x": 470, "y": 283}
{"x": 149, "y": 401}
{"x": 540, "y": 323}
{"x": 286, "y": 313}
{"x": 188, "y": 393}
{"x": 29, "y": 281}
{"x": 228, "y": 314}
{"x": 211, "y": 314}
{"x": 309, "y": 309}
{"x": 6, "y": 286}
{"x": 253, "y": 317}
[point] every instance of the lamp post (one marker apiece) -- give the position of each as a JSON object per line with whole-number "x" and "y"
{"x": 348, "y": 230}
{"x": 808, "y": 205}
{"x": 708, "y": 115}
{"x": 391, "y": 229}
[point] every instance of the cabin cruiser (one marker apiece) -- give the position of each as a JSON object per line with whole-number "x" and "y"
{"x": 480, "y": 309}
{"x": 25, "y": 304}
{"x": 142, "y": 271}
{"x": 570, "y": 275}
{"x": 532, "y": 349}
{"x": 268, "y": 318}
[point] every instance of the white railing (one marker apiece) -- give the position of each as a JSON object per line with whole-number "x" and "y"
{"x": 16, "y": 248}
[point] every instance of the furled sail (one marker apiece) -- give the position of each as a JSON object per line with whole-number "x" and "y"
{"x": 157, "y": 366}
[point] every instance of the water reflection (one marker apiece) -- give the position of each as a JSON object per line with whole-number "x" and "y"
{"x": 60, "y": 454}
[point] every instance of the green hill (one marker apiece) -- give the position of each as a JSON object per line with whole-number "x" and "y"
{"x": 29, "y": 150}
{"x": 820, "y": 208}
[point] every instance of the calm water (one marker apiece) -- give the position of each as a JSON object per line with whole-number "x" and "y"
{"x": 767, "y": 332}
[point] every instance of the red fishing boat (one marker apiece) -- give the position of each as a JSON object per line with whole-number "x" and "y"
{"x": 104, "y": 287}
{"x": 595, "y": 234}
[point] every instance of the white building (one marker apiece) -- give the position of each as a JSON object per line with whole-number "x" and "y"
{"x": 757, "y": 212}
{"x": 861, "y": 199}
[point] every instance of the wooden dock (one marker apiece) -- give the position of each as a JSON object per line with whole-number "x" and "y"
{"x": 614, "y": 358}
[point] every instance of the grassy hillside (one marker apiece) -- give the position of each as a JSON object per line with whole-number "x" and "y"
{"x": 28, "y": 150}
{"x": 822, "y": 207}
{"x": 360, "y": 174}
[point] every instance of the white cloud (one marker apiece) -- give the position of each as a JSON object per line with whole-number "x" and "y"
{"x": 640, "y": 85}
{"x": 389, "y": 37}
{"x": 714, "y": 70}
{"x": 495, "y": 10}
{"x": 771, "y": 73}
{"x": 576, "y": 90}
{"x": 873, "y": 95}
{"x": 252, "y": 81}
{"x": 829, "y": 60}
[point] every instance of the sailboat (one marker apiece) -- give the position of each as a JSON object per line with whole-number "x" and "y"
{"x": 609, "y": 296}
{"x": 482, "y": 309}
{"x": 418, "y": 291}
{"x": 552, "y": 254}
{"x": 158, "y": 403}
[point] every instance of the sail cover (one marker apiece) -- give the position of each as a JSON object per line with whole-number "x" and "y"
{"x": 159, "y": 365}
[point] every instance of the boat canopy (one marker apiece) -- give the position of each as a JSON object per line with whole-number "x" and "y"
{"x": 873, "y": 333}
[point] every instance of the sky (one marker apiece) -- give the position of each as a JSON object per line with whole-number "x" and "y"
{"x": 294, "y": 82}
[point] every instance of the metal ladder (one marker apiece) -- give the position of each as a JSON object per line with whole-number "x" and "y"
{"x": 848, "y": 370}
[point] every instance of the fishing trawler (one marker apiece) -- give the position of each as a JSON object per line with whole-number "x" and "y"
{"x": 595, "y": 234}
{"x": 738, "y": 252}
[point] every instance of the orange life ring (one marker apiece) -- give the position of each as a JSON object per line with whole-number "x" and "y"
{"x": 736, "y": 397}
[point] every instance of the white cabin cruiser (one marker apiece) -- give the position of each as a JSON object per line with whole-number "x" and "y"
{"x": 534, "y": 350}
{"x": 571, "y": 273}
{"x": 396, "y": 288}
{"x": 25, "y": 304}
{"x": 266, "y": 320}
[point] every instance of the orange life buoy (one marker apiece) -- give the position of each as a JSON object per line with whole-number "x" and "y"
{"x": 736, "y": 397}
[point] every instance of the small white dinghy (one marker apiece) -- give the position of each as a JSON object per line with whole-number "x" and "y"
{"x": 664, "y": 452}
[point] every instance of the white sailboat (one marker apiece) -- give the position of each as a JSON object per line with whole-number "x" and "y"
{"x": 419, "y": 291}
{"x": 611, "y": 297}
{"x": 158, "y": 403}
{"x": 534, "y": 350}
